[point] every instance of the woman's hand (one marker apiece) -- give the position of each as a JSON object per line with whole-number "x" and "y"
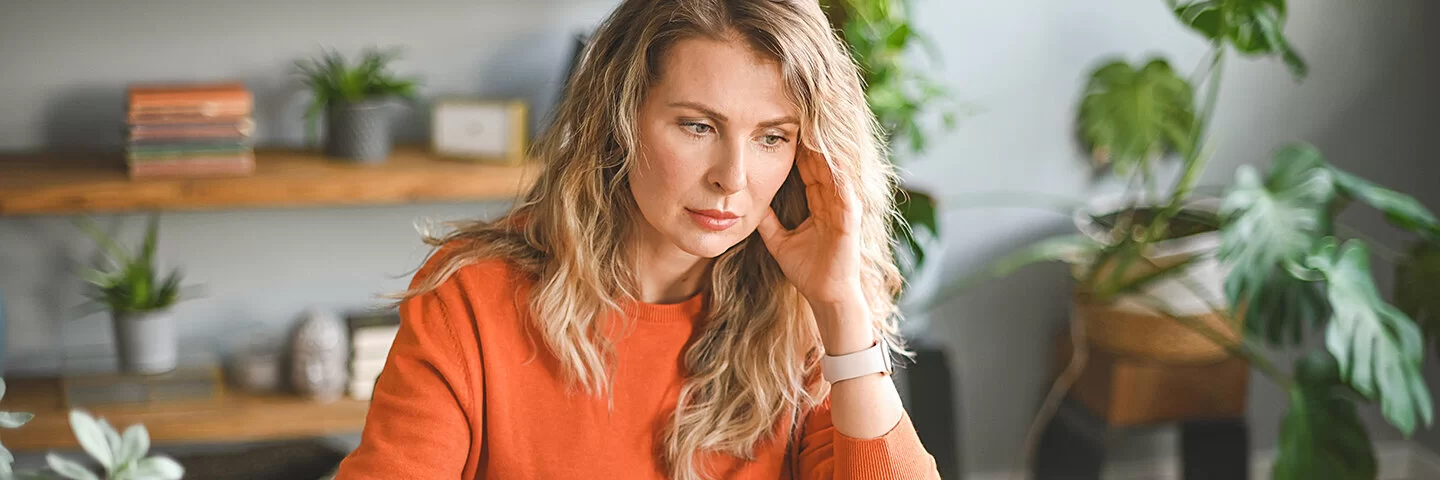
{"x": 822, "y": 256}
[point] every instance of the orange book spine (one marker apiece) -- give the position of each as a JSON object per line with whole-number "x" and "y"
{"x": 182, "y": 94}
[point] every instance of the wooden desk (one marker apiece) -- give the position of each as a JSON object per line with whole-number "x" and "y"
{"x": 236, "y": 416}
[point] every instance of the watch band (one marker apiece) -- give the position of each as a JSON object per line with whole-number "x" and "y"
{"x": 875, "y": 359}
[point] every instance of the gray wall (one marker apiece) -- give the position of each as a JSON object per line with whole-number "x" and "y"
{"x": 1017, "y": 65}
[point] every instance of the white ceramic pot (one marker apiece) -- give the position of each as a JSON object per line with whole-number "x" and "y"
{"x": 146, "y": 341}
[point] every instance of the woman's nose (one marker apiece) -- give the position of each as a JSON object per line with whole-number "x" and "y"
{"x": 728, "y": 174}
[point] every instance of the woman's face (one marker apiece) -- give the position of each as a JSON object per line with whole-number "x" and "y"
{"x": 717, "y": 139}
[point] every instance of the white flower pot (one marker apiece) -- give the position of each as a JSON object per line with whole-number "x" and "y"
{"x": 146, "y": 341}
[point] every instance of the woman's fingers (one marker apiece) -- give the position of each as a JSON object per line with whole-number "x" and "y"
{"x": 827, "y": 198}
{"x": 770, "y": 229}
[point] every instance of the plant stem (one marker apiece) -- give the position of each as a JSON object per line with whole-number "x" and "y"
{"x": 1194, "y": 161}
{"x": 1079, "y": 356}
{"x": 1151, "y": 193}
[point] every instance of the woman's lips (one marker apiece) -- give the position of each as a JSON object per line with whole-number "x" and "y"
{"x": 713, "y": 220}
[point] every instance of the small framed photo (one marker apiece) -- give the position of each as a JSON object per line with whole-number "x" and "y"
{"x": 479, "y": 129}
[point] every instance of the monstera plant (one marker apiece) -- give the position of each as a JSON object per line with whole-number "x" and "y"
{"x": 1278, "y": 265}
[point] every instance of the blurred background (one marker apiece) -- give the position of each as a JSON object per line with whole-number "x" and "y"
{"x": 303, "y": 245}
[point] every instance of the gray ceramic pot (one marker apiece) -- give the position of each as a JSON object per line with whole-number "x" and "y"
{"x": 146, "y": 341}
{"x": 360, "y": 131}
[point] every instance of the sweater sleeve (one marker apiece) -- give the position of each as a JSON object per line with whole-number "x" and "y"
{"x": 827, "y": 454}
{"x": 418, "y": 426}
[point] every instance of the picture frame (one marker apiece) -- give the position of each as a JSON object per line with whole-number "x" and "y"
{"x": 486, "y": 130}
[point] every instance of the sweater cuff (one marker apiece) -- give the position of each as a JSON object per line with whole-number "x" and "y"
{"x": 896, "y": 450}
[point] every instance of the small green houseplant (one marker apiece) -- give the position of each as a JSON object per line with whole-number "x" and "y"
{"x": 358, "y": 101}
{"x": 138, "y": 298}
{"x": 123, "y": 456}
{"x": 1266, "y": 262}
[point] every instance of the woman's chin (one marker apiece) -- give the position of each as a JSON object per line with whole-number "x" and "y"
{"x": 709, "y": 244}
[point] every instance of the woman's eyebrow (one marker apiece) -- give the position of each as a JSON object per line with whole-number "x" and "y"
{"x": 702, "y": 108}
{"x": 710, "y": 112}
{"x": 780, "y": 121}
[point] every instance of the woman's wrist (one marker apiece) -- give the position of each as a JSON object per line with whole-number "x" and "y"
{"x": 845, "y": 326}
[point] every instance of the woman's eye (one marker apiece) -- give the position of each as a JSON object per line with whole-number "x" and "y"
{"x": 696, "y": 128}
{"x": 772, "y": 140}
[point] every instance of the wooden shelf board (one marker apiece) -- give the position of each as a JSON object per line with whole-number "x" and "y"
{"x": 235, "y": 416}
{"x": 87, "y": 182}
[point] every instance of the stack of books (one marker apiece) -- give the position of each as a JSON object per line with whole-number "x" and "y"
{"x": 371, "y": 335}
{"x": 195, "y": 129}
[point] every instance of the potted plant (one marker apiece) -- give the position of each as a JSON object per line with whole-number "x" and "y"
{"x": 139, "y": 301}
{"x": 359, "y": 102}
{"x": 123, "y": 456}
{"x": 1261, "y": 264}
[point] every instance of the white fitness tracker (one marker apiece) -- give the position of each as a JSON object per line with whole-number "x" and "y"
{"x": 875, "y": 359}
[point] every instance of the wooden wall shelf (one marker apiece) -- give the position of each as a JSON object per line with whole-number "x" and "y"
{"x": 77, "y": 183}
{"x": 234, "y": 417}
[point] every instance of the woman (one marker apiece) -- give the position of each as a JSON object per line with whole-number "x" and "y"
{"x": 699, "y": 285}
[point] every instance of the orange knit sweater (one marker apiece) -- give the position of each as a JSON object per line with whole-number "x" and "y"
{"x": 466, "y": 394}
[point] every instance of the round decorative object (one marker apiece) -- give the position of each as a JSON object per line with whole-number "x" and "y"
{"x": 318, "y": 351}
{"x": 255, "y": 365}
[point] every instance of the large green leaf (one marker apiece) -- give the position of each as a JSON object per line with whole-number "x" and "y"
{"x": 1417, "y": 287}
{"x": 1284, "y": 307}
{"x": 1267, "y": 229}
{"x": 1400, "y": 209}
{"x": 1321, "y": 436}
{"x": 1379, "y": 349}
{"x": 1253, "y": 27}
{"x": 1129, "y": 116}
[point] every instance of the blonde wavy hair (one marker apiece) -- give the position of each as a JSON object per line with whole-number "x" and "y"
{"x": 755, "y": 359}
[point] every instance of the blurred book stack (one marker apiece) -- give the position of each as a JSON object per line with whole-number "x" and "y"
{"x": 197, "y": 129}
{"x": 371, "y": 335}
